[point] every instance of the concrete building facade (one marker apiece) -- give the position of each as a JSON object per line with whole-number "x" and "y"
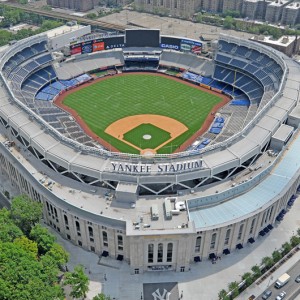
{"x": 274, "y": 11}
{"x": 78, "y": 5}
{"x": 183, "y": 8}
{"x": 291, "y": 14}
{"x": 235, "y": 5}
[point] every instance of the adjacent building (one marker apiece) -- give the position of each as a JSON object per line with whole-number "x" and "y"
{"x": 233, "y": 5}
{"x": 182, "y": 8}
{"x": 278, "y": 11}
{"x": 274, "y": 11}
{"x": 79, "y": 5}
{"x": 288, "y": 45}
{"x": 291, "y": 14}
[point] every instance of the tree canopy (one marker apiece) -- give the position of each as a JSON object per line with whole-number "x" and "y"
{"x": 29, "y": 265}
{"x": 13, "y": 16}
{"x": 78, "y": 281}
{"x": 25, "y": 213}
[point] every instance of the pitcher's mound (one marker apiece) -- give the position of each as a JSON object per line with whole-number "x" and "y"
{"x": 147, "y": 137}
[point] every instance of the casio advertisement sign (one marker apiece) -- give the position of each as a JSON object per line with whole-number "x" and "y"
{"x": 168, "y": 46}
{"x": 170, "y": 43}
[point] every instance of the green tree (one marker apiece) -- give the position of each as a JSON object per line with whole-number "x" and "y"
{"x": 221, "y": 295}
{"x": 286, "y": 248}
{"x": 44, "y": 239}
{"x": 267, "y": 261}
{"x": 248, "y": 278}
{"x": 28, "y": 245}
{"x": 295, "y": 240}
{"x": 234, "y": 288}
{"x": 298, "y": 230}
{"x": 228, "y": 22}
{"x": 21, "y": 276}
{"x": 8, "y": 230}
{"x": 101, "y": 296}
{"x": 256, "y": 272}
{"x": 276, "y": 255}
{"x": 50, "y": 269}
{"x": 25, "y": 213}
{"x": 59, "y": 254}
{"x": 78, "y": 281}
{"x": 91, "y": 16}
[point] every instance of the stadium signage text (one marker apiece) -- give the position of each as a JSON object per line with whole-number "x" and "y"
{"x": 168, "y": 46}
{"x": 157, "y": 168}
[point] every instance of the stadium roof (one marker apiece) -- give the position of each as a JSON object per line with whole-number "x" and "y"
{"x": 256, "y": 198}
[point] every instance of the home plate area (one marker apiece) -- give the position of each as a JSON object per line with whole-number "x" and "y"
{"x": 161, "y": 291}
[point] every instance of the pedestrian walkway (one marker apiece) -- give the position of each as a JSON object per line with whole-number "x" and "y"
{"x": 203, "y": 281}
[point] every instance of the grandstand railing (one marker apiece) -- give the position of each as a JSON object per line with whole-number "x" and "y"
{"x": 160, "y": 157}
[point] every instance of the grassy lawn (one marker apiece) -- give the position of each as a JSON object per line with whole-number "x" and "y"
{"x": 158, "y": 136}
{"x": 105, "y": 102}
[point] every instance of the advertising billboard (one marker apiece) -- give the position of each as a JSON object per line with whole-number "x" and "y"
{"x": 75, "y": 49}
{"x": 98, "y": 45}
{"x": 114, "y": 42}
{"x": 86, "y": 47}
{"x": 191, "y": 46}
{"x": 170, "y": 43}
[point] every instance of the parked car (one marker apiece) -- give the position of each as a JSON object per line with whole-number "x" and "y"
{"x": 266, "y": 294}
{"x": 297, "y": 279}
{"x": 281, "y": 295}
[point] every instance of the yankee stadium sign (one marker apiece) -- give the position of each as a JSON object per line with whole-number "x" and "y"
{"x": 157, "y": 168}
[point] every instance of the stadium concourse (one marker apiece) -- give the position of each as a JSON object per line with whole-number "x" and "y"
{"x": 229, "y": 188}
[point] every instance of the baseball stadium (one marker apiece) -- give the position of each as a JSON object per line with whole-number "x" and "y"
{"x": 144, "y": 150}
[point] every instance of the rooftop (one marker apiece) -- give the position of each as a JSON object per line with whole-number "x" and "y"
{"x": 62, "y": 30}
{"x": 256, "y": 198}
{"x": 283, "y": 41}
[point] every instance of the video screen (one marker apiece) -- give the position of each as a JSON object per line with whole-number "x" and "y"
{"x": 142, "y": 38}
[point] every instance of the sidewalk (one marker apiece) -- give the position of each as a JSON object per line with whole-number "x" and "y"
{"x": 256, "y": 290}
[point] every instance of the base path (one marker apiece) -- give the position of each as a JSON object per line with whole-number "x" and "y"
{"x": 205, "y": 126}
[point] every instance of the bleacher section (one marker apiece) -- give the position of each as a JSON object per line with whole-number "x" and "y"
{"x": 29, "y": 72}
{"x": 74, "y": 68}
{"x": 247, "y": 69}
{"x": 22, "y": 56}
{"x": 187, "y": 61}
{"x": 51, "y": 90}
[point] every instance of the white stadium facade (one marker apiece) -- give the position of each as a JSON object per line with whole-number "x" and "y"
{"x": 163, "y": 212}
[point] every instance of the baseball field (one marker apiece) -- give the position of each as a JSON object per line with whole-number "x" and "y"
{"x": 134, "y": 112}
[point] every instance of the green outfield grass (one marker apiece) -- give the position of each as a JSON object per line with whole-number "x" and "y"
{"x": 158, "y": 136}
{"x": 105, "y": 102}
